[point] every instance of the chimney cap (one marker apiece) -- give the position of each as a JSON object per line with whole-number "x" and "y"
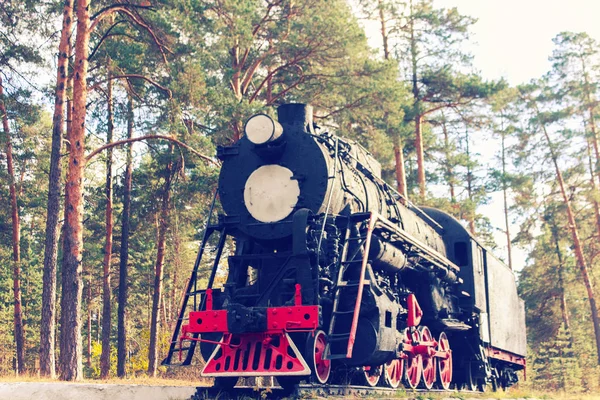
{"x": 296, "y": 115}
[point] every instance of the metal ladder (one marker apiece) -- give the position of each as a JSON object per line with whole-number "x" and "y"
{"x": 343, "y": 286}
{"x": 192, "y": 291}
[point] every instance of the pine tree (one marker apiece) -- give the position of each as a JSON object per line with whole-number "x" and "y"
{"x": 541, "y": 121}
{"x": 48, "y": 323}
{"x": 575, "y": 63}
{"x": 71, "y": 350}
{"x": 557, "y": 367}
{"x": 503, "y": 123}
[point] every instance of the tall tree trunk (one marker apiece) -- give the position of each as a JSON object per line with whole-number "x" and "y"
{"x": 173, "y": 308}
{"x": 594, "y": 140}
{"x": 89, "y": 319}
{"x": 505, "y": 198}
{"x": 98, "y": 324}
{"x": 420, "y": 156}
{"x": 71, "y": 362}
{"x": 384, "y": 33}
{"x": 61, "y": 341}
{"x": 561, "y": 281}
{"x": 269, "y": 94}
{"x": 471, "y": 213}
{"x": 16, "y": 238}
{"x": 236, "y": 78}
{"x": 400, "y": 172}
{"x": 398, "y": 146}
{"x": 69, "y": 116}
{"x": 594, "y": 190}
{"x": 576, "y": 242}
{"x": 48, "y": 324}
{"x": 163, "y": 306}
{"x": 449, "y": 169}
{"x": 124, "y": 250}
{"x": 177, "y": 265}
{"x": 590, "y": 107}
{"x": 418, "y": 115}
{"x": 108, "y": 191}
{"x": 163, "y": 225}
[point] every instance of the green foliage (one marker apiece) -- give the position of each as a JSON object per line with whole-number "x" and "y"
{"x": 556, "y": 365}
{"x": 202, "y": 67}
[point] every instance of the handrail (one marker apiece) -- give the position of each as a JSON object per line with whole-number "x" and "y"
{"x": 331, "y": 176}
{"x": 361, "y": 284}
{"x": 192, "y": 286}
{"x": 411, "y": 206}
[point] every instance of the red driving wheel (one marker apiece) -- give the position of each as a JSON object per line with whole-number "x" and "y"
{"x": 393, "y": 372}
{"x": 428, "y": 362}
{"x": 371, "y": 375}
{"x": 414, "y": 363}
{"x": 321, "y": 368}
{"x": 444, "y": 365}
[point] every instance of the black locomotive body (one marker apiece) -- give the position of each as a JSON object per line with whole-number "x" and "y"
{"x": 332, "y": 267}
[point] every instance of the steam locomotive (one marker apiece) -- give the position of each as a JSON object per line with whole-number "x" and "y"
{"x": 335, "y": 275}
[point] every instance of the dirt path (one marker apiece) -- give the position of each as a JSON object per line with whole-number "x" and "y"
{"x": 89, "y": 391}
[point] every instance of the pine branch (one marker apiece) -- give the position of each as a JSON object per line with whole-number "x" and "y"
{"x": 124, "y": 8}
{"x": 147, "y": 137}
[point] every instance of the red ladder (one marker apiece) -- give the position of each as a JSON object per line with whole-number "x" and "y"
{"x": 342, "y": 285}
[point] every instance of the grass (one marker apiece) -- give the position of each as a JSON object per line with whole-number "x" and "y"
{"x": 515, "y": 393}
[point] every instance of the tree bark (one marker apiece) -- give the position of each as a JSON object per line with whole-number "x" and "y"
{"x": 594, "y": 190}
{"x": 16, "y": 239}
{"x": 505, "y": 198}
{"x": 163, "y": 225}
{"x": 236, "y": 82}
{"x": 384, "y": 33}
{"x": 400, "y": 172}
{"x": 470, "y": 216}
{"x": 269, "y": 94}
{"x": 418, "y": 115}
{"x": 173, "y": 307}
{"x": 449, "y": 169}
{"x": 398, "y": 146}
{"x": 106, "y": 290}
{"x": 48, "y": 324}
{"x": 124, "y": 251}
{"x": 594, "y": 140}
{"x": 71, "y": 355}
{"x": 177, "y": 265}
{"x": 69, "y": 110}
{"x": 420, "y": 157}
{"x": 69, "y": 124}
{"x": 89, "y": 320}
{"x": 590, "y": 107}
{"x": 576, "y": 241}
{"x": 561, "y": 283}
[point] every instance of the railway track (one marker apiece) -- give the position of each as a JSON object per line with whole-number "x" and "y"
{"x": 312, "y": 391}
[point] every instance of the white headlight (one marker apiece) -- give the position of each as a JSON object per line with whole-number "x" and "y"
{"x": 261, "y": 129}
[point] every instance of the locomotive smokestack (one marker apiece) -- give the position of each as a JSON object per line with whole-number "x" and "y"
{"x": 296, "y": 116}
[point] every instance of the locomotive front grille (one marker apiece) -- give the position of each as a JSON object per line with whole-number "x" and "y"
{"x": 256, "y": 354}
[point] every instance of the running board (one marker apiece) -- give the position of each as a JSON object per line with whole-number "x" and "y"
{"x": 455, "y": 325}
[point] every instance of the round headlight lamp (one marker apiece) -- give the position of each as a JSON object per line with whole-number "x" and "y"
{"x": 261, "y": 129}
